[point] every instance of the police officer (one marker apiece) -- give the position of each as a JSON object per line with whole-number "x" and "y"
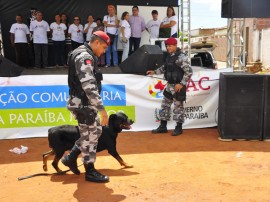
{"x": 85, "y": 102}
{"x": 177, "y": 72}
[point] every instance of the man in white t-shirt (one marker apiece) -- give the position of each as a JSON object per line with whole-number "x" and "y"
{"x": 58, "y": 30}
{"x": 19, "y": 37}
{"x": 40, "y": 29}
{"x": 75, "y": 31}
{"x": 153, "y": 25}
{"x": 88, "y": 27}
{"x": 111, "y": 24}
{"x": 170, "y": 21}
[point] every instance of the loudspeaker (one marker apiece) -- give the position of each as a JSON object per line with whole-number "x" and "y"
{"x": 8, "y": 68}
{"x": 266, "y": 128}
{"x": 147, "y": 57}
{"x": 226, "y": 9}
{"x": 241, "y": 106}
{"x": 245, "y": 9}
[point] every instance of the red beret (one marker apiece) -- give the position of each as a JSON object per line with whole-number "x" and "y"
{"x": 103, "y": 36}
{"x": 171, "y": 41}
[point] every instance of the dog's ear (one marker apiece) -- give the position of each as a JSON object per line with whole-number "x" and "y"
{"x": 112, "y": 116}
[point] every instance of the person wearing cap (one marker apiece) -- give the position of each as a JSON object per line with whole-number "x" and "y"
{"x": 84, "y": 102}
{"x": 177, "y": 71}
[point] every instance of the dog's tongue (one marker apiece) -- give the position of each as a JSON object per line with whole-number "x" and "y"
{"x": 127, "y": 127}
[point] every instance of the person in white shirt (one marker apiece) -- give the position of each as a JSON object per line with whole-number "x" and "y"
{"x": 40, "y": 29}
{"x": 153, "y": 25}
{"x": 100, "y": 27}
{"x": 88, "y": 27}
{"x": 170, "y": 21}
{"x": 125, "y": 33}
{"x": 111, "y": 24}
{"x": 58, "y": 38}
{"x": 65, "y": 20}
{"x": 75, "y": 31}
{"x": 19, "y": 37}
{"x": 33, "y": 15}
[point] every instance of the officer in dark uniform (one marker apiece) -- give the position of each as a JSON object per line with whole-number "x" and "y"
{"x": 85, "y": 102}
{"x": 177, "y": 72}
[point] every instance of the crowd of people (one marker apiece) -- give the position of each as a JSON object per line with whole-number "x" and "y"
{"x": 128, "y": 30}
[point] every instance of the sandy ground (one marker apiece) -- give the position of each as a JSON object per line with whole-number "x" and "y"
{"x": 195, "y": 166}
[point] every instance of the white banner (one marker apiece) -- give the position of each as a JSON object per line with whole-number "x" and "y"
{"x": 29, "y": 105}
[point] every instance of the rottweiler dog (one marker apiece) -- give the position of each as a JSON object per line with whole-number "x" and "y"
{"x": 63, "y": 138}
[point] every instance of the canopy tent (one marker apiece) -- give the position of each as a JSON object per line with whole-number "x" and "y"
{"x": 10, "y": 8}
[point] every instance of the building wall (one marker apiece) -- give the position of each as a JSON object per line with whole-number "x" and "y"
{"x": 220, "y": 51}
{"x": 250, "y": 40}
{"x": 262, "y": 40}
{"x": 266, "y": 47}
{"x": 262, "y": 23}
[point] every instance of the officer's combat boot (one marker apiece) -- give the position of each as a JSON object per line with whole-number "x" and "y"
{"x": 162, "y": 127}
{"x": 178, "y": 129}
{"x": 92, "y": 175}
{"x": 70, "y": 160}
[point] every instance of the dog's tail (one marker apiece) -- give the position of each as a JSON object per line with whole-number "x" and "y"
{"x": 44, "y": 174}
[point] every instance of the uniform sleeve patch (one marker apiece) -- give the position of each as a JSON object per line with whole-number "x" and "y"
{"x": 87, "y": 62}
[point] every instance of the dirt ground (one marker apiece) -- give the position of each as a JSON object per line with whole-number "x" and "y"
{"x": 195, "y": 166}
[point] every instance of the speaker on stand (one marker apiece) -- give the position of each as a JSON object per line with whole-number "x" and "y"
{"x": 8, "y": 68}
{"x": 245, "y": 9}
{"x": 266, "y": 126}
{"x": 147, "y": 57}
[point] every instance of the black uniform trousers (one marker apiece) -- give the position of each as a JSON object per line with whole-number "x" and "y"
{"x": 21, "y": 50}
{"x": 59, "y": 52}
{"x": 41, "y": 55}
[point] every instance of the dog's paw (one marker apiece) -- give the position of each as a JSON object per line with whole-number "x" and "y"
{"x": 45, "y": 168}
{"x": 128, "y": 166}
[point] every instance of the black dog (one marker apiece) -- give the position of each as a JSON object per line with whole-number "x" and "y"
{"x": 63, "y": 138}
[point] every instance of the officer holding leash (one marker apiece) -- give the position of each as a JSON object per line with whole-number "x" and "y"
{"x": 177, "y": 71}
{"x": 85, "y": 102}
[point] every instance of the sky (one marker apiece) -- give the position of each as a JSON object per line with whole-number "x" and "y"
{"x": 206, "y": 14}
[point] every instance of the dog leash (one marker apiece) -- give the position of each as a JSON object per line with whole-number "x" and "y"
{"x": 44, "y": 174}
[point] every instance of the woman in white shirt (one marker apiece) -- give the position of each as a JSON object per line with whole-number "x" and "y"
{"x": 111, "y": 25}
{"x": 76, "y": 33}
{"x": 170, "y": 21}
{"x": 125, "y": 33}
{"x": 58, "y": 38}
{"x": 88, "y": 27}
